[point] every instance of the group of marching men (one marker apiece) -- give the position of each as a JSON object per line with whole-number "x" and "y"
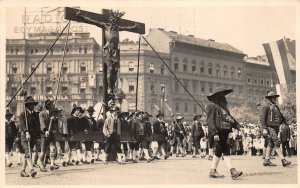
{"x": 35, "y": 138}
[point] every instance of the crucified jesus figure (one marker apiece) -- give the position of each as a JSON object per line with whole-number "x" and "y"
{"x": 111, "y": 49}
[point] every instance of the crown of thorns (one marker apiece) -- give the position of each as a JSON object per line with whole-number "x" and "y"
{"x": 116, "y": 14}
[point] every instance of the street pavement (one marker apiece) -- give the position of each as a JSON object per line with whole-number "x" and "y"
{"x": 175, "y": 171}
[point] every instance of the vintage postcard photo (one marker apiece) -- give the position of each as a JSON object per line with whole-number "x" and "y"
{"x": 149, "y": 93}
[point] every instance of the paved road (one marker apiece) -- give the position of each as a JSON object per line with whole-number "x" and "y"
{"x": 172, "y": 171}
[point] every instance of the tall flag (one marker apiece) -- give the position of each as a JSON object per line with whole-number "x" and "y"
{"x": 281, "y": 57}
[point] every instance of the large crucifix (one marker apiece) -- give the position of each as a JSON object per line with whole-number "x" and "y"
{"x": 111, "y": 23}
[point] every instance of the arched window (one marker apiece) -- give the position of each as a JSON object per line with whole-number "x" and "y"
{"x": 65, "y": 68}
{"x": 202, "y": 67}
{"x": 32, "y": 67}
{"x": 239, "y": 73}
{"x": 193, "y": 66}
{"x": 218, "y": 70}
{"x": 185, "y": 65}
{"x": 14, "y": 68}
{"x": 130, "y": 67}
{"x": 82, "y": 68}
{"x": 225, "y": 71}
{"x": 162, "y": 69}
{"x": 209, "y": 69}
{"x": 151, "y": 68}
{"x": 232, "y": 72}
{"x": 176, "y": 64}
{"x": 49, "y": 68}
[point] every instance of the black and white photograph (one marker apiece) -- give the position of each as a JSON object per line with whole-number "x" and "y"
{"x": 149, "y": 93}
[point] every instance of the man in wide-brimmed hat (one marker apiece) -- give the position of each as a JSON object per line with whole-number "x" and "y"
{"x": 196, "y": 134}
{"x": 180, "y": 134}
{"x": 271, "y": 119}
{"x": 73, "y": 124}
{"x": 220, "y": 124}
{"x": 141, "y": 135}
{"x": 160, "y": 130}
{"x": 92, "y": 127}
{"x": 11, "y": 133}
{"x": 30, "y": 132}
{"x": 47, "y": 127}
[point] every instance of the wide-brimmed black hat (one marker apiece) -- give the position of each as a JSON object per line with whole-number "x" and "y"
{"x": 47, "y": 102}
{"x": 8, "y": 112}
{"x": 30, "y": 100}
{"x": 123, "y": 114}
{"x": 271, "y": 94}
{"x": 159, "y": 114}
{"x": 197, "y": 115}
{"x": 219, "y": 92}
{"x": 147, "y": 115}
{"x": 75, "y": 107}
{"x": 138, "y": 112}
{"x": 90, "y": 109}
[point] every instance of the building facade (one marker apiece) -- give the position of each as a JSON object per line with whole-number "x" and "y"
{"x": 200, "y": 65}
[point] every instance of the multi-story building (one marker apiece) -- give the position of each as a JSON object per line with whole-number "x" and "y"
{"x": 201, "y": 65}
{"x": 79, "y": 72}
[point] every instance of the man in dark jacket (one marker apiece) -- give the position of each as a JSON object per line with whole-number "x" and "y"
{"x": 160, "y": 131}
{"x": 30, "y": 133}
{"x": 220, "y": 124}
{"x": 196, "y": 134}
{"x": 180, "y": 134}
{"x": 73, "y": 124}
{"x": 90, "y": 125}
{"x": 11, "y": 133}
{"x": 285, "y": 136}
{"x": 142, "y": 132}
{"x": 271, "y": 119}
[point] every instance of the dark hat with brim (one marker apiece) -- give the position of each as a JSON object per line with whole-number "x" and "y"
{"x": 30, "y": 100}
{"x": 159, "y": 114}
{"x": 8, "y": 113}
{"x": 219, "y": 92}
{"x": 123, "y": 114}
{"x": 48, "y": 101}
{"x": 147, "y": 115}
{"x": 90, "y": 109}
{"x": 76, "y": 108}
{"x": 197, "y": 115}
{"x": 271, "y": 95}
{"x": 138, "y": 112}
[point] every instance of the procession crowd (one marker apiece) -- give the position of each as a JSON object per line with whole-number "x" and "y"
{"x": 33, "y": 138}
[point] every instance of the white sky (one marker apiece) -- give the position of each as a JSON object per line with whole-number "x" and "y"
{"x": 244, "y": 27}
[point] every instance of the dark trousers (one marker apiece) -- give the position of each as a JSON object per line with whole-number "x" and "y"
{"x": 113, "y": 141}
{"x": 286, "y": 148}
{"x": 221, "y": 146}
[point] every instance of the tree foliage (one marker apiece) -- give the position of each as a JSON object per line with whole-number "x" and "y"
{"x": 245, "y": 114}
{"x": 288, "y": 107}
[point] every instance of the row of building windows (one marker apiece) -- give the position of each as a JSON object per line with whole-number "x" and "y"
{"x": 186, "y": 108}
{"x": 151, "y": 68}
{"x": 49, "y": 68}
{"x": 36, "y": 51}
{"x": 210, "y": 70}
{"x": 258, "y": 81}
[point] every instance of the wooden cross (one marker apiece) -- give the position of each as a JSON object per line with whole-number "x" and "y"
{"x": 72, "y": 14}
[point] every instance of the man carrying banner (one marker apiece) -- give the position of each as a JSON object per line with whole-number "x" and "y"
{"x": 30, "y": 132}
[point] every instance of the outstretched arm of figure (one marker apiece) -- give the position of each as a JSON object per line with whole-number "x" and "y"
{"x": 91, "y": 21}
{"x": 129, "y": 28}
